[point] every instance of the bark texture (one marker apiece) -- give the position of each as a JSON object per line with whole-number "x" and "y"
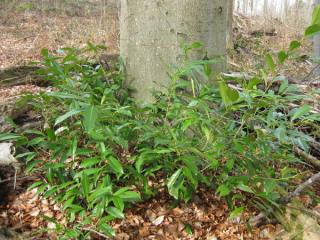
{"x": 316, "y": 42}
{"x": 151, "y": 34}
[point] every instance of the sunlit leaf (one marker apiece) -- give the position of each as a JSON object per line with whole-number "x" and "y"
{"x": 236, "y": 212}
{"x": 312, "y": 30}
{"x": 229, "y": 95}
{"x": 300, "y": 112}
{"x": 90, "y": 118}
{"x": 85, "y": 185}
{"x": 173, "y": 189}
{"x": 282, "y": 56}
{"x": 270, "y": 63}
{"x": 66, "y": 116}
{"x": 115, "y": 165}
{"x": 115, "y": 212}
{"x": 294, "y": 45}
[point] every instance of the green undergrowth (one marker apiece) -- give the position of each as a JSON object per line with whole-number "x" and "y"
{"x": 99, "y": 151}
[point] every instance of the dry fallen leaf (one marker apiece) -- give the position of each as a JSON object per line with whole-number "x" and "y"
{"x": 158, "y": 220}
{"x": 51, "y": 225}
{"x": 144, "y": 231}
{"x": 35, "y": 212}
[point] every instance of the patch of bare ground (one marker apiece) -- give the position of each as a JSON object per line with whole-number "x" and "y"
{"x": 25, "y": 32}
{"x": 160, "y": 218}
{"x": 256, "y": 36}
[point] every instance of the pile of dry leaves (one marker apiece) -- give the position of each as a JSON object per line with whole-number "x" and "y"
{"x": 160, "y": 218}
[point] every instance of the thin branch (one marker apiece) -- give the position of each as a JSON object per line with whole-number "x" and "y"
{"x": 18, "y": 179}
{"x": 307, "y": 157}
{"x": 311, "y": 213}
{"x": 263, "y": 216}
{"x": 301, "y": 187}
{"x": 315, "y": 145}
{"x": 96, "y": 232}
{"x": 310, "y": 73}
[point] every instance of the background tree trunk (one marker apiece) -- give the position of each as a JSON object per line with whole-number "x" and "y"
{"x": 230, "y": 23}
{"x": 152, "y": 32}
{"x": 316, "y": 42}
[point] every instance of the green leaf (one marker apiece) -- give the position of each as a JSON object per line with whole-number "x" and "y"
{"x": 270, "y": 185}
{"x": 90, "y": 118}
{"x": 316, "y": 15}
{"x": 282, "y": 57}
{"x": 270, "y": 63}
{"x": 188, "y": 229}
{"x": 144, "y": 157}
{"x": 223, "y": 190}
{"x": 230, "y": 164}
{"x": 90, "y": 171}
{"x": 284, "y": 86}
{"x": 100, "y": 192}
{"x": 115, "y": 212}
{"x": 72, "y": 234}
{"x": 118, "y": 202}
{"x": 74, "y": 148}
{"x": 229, "y": 95}
{"x": 107, "y": 229}
{"x": 196, "y": 45}
{"x": 294, "y": 45}
{"x": 280, "y": 133}
{"x": 253, "y": 83}
{"x": 9, "y": 136}
{"x": 89, "y": 162}
{"x": 236, "y": 212}
{"x": 312, "y": 30}
{"x": 128, "y": 196}
{"x": 297, "y": 113}
{"x": 85, "y": 185}
{"x": 115, "y": 165}
{"x": 124, "y": 111}
{"x": 34, "y": 185}
{"x": 172, "y": 187}
{"x": 66, "y": 116}
{"x": 245, "y": 188}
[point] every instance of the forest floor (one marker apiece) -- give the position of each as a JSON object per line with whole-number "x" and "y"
{"x": 25, "y": 32}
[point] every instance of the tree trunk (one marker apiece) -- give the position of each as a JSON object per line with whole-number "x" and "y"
{"x": 316, "y": 43}
{"x": 230, "y": 24}
{"x": 151, "y": 34}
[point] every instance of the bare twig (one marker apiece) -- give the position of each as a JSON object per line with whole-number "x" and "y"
{"x": 311, "y": 72}
{"x": 311, "y": 213}
{"x": 15, "y": 179}
{"x": 301, "y": 187}
{"x": 307, "y": 157}
{"x": 315, "y": 145}
{"x": 96, "y": 232}
{"x": 262, "y": 217}
{"x": 18, "y": 179}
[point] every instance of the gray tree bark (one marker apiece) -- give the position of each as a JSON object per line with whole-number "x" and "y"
{"x": 151, "y": 34}
{"x": 230, "y": 24}
{"x": 316, "y": 41}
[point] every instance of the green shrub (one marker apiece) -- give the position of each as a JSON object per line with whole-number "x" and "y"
{"x": 104, "y": 150}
